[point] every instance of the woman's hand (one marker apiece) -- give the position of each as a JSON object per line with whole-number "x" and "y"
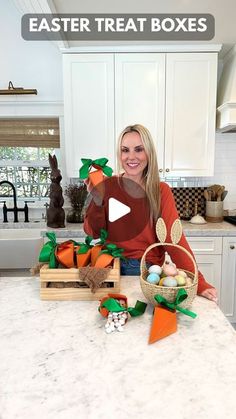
{"x": 97, "y": 192}
{"x": 211, "y": 294}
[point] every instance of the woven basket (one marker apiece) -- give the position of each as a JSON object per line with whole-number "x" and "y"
{"x": 150, "y": 290}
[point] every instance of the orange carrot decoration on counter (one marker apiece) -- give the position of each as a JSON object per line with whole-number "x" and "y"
{"x": 98, "y": 246}
{"x": 164, "y": 323}
{"x": 107, "y": 255}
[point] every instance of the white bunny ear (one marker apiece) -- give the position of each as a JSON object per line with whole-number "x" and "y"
{"x": 161, "y": 231}
{"x": 176, "y": 231}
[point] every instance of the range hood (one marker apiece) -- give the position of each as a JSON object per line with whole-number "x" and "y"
{"x": 226, "y": 100}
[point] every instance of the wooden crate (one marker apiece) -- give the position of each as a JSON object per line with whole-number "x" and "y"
{"x": 72, "y": 275}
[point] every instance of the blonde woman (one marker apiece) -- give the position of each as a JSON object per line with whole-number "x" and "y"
{"x": 138, "y": 171}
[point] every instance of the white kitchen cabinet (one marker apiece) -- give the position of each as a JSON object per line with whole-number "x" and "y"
{"x": 208, "y": 254}
{"x": 88, "y": 108}
{"x": 140, "y": 94}
{"x": 172, "y": 94}
{"x": 228, "y": 287}
{"x": 191, "y": 83}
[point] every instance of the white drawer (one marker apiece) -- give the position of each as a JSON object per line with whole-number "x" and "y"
{"x": 205, "y": 245}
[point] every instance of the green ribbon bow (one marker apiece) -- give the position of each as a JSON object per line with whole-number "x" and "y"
{"x": 84, "y": 247}
{"x": 180, "y": 297}
{"x": 47, "y": 253}
{"x": 103, "y": 236}
{"x": 113, "y": 250}
{"x": 98, "y": 164}
{"x": 112, "y": 305}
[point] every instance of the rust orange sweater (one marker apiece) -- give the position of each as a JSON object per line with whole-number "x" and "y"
{"x": 97, "y": 218}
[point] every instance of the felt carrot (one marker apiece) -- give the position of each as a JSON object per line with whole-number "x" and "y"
{"x": 98, "y": 247}
{"x": 96, "y": 177}
{"x": 107, "y": 255}
{"x": 103, "y": 310}
{"x": 164, "y": 323}
{"x": 47, "y": 253}
{"x": 83, "y": 252}
{"x": 65, "y": 253}
{"x": 101, "y": 167}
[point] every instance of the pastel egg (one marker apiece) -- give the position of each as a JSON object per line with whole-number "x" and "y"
{"x": 153, "y": 278}
{"x": 183, "y": 274}
{"x": 161, "y": 281}
{"x": 180, "y": 280}
{"x": 155, "y": 269}
{"x": 169, "y": 281}
{"x": 169, "y": 270}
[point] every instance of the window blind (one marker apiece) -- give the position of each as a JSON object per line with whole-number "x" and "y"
{"x": 30, "y": 132}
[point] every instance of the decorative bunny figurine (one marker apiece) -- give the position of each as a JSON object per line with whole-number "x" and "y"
{"x": 55, "y": 212}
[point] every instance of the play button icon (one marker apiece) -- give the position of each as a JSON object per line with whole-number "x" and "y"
{"x": 123, "y": 210}
{"x": 116, "y": 210}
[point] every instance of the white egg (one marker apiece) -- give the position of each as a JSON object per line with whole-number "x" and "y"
{"x": 155, "y": 269}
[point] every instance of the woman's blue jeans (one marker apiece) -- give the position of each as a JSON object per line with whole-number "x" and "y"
{"x": 131, "y": 267}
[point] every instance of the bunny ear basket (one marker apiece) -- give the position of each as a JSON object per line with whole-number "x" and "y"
{"x": 168, "y": 292}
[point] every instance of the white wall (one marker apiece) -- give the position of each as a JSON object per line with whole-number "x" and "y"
{"x": 27, "y": 64}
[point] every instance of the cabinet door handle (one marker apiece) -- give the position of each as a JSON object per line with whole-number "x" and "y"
{"x": 160, "y": 170}
{"x": 232, "y": 247}
{"x": 167, "y": 170}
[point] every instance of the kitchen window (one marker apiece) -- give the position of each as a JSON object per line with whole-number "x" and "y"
{"x": 24, "y": 147}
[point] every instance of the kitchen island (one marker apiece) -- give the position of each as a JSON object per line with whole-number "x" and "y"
{"x": 57, "y": 362}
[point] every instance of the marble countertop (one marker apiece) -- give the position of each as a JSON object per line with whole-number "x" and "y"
{"x": 76, "y": 230}
{"x": 58, "y": 362}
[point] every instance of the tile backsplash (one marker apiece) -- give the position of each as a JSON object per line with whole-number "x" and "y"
{"x": 192, "y": 195}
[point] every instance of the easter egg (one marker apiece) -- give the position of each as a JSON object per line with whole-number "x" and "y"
{"x": 180, "y": 280}
{"x": 155, "y": 269}
{"x": 169, "y": 270}
{"x": 169, "y": 281}
{"x": 183, "y": 274}
{"x": 153, "y": 278}
{"x": 161, "y": 281}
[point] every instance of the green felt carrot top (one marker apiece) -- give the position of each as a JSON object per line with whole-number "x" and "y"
{"x": 100, "y": 163}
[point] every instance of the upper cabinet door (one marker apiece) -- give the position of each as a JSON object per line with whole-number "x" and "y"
{"x": 191, "y": 80}
{"x": 89, "y": 108}
{"x": 140, "y": 95}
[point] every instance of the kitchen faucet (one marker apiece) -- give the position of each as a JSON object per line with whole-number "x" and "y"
{"x": 14, "y": 209}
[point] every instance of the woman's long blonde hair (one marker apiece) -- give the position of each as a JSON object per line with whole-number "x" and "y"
{"x": 150, "y": 174}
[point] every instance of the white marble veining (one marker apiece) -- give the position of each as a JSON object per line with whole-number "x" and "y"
{"x": 208, "y": 229}
{"x": 75, "y": 230}
{"x": 57, "y": 362}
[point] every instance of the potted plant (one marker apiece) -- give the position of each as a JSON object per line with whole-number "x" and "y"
{"x": 77, "y": 194}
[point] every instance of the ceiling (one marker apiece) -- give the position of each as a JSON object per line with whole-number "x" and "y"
{"x": 223, "y": 11}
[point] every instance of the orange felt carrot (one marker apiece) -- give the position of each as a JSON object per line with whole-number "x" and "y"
{"x": 96, "y": 177}
{"x": 95, "y": 251}
{"x": 83, "y": 259}
{"x": 106, "y": 256}
{"x": 103, "y": 310}
{"x": 103, "y": 260}
{"x": 65, "y": 254}
{"x": 164, "y": 323}
{"x": 83, "y": 252}
{"x": 99, "y": 164}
